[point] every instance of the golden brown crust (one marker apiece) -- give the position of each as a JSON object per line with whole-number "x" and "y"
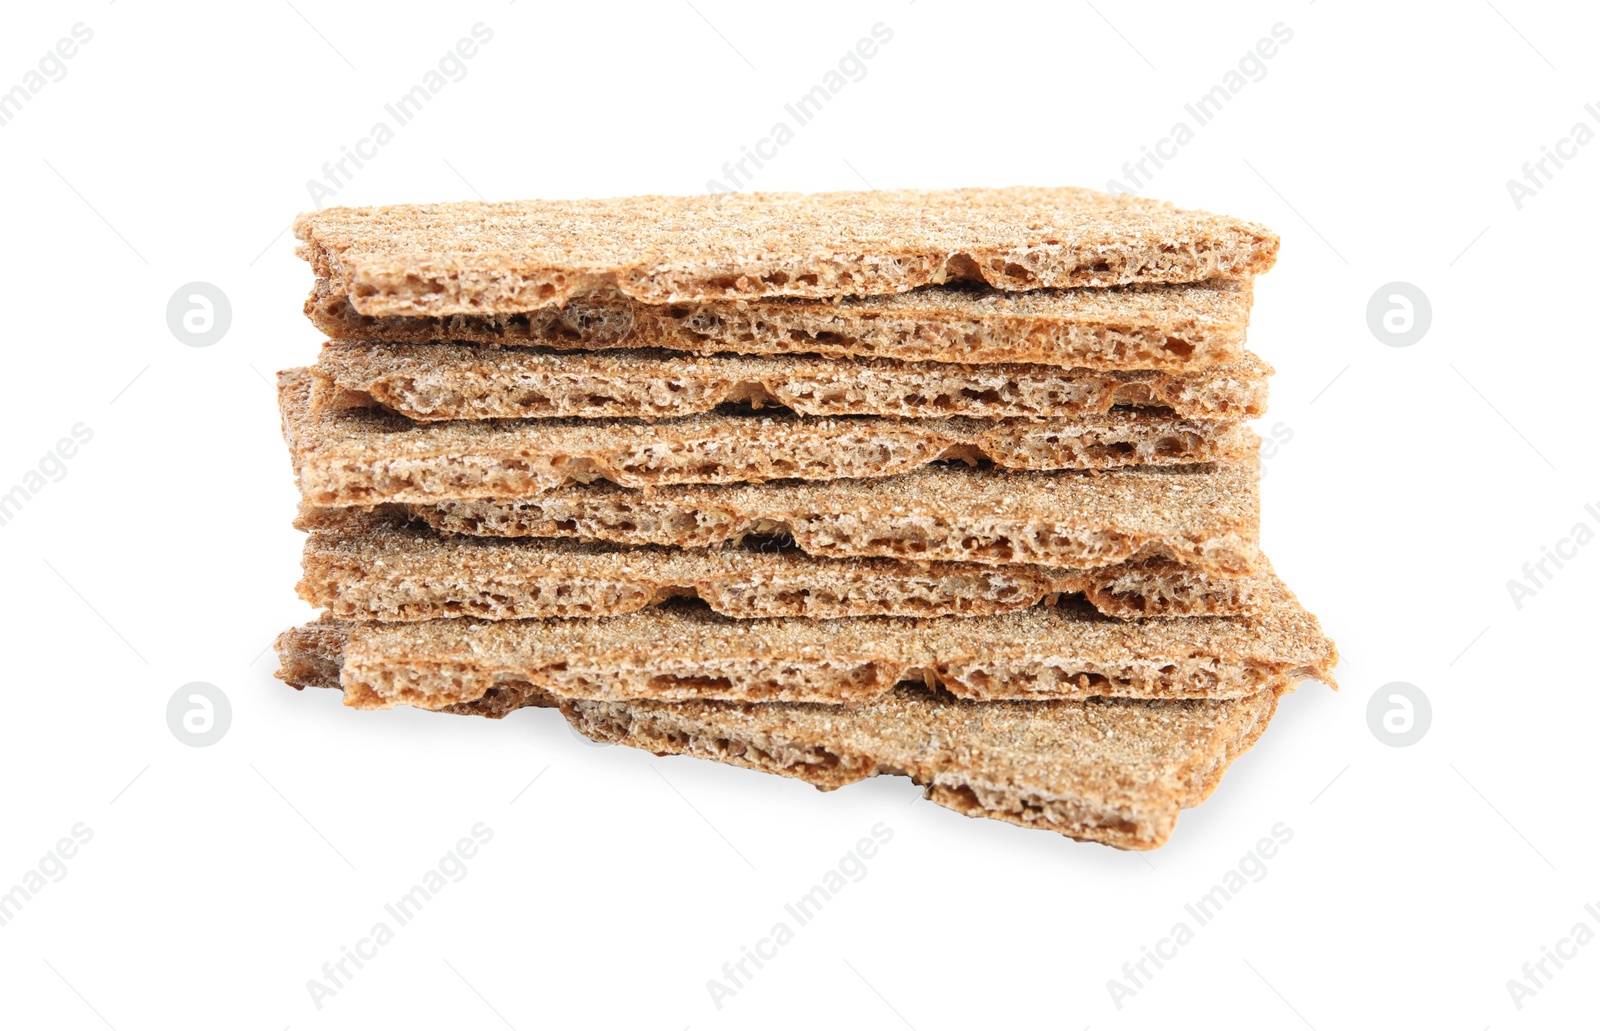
{"x": 483, "y": 258}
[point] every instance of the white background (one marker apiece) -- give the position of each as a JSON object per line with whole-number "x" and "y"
{"x": 1418, "y": 481}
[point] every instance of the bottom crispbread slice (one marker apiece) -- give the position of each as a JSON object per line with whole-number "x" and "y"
{"x": 1109, "y": 770}
{"x": 681, "y": 652}
{"x": 1205, "y": 517}
{"x": 377, "y": 565}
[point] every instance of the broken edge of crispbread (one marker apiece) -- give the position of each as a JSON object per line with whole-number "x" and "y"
{"x": 1112, "y": 771}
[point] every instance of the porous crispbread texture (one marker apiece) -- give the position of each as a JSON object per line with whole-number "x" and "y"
{"x": 371, "y": 565}
{"x": 441, "y": 382}
{"x": 1206, "y": 518}
{"x": 1109, "y": 770}
{"x": 1132, "y": 327}
{"x": 680, "y": 652}
{"x": 312, "y": 655}
{"x": 356, "y": 456}
{"x": 501, "y": 258}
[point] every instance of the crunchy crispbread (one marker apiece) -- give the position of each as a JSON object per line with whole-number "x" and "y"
{"x": 681, "y": 652}
{"x": 1108, "y": 770}
{"x": 1134, "y": 327}
{"x": 355, "y": 456}
{"x": 441, "y": 382}
{"x": 1206, "y": 518}
{"x": 378, "y": 566}
{"x": 313, "y": 654}
{"x": 484, "y": 258}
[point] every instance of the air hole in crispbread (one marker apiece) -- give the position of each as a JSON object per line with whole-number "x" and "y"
{"x": 670, "y": 681}
{"x": 961, "y": 268}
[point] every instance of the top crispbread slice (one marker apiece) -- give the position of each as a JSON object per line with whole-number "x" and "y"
{"x": 1174, "y": 327}
{"x": 489, "y": 258}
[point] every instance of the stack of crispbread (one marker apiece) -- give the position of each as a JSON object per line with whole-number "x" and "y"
{"x": 951, "y": 484}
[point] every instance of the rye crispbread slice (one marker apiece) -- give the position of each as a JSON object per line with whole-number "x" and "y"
{"x": 379, "y": 566}
{"x": 1205, "y": 518}
{"x": 1134, "y": 327}
{"x": 501, "y": 258}
{"x": 441, "y": 382}
{"x": 685, "y": 652}
{"x": 1114, "y": 771}
{"x": 355, "y": 456}
{"x": 1110, "y": 770}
